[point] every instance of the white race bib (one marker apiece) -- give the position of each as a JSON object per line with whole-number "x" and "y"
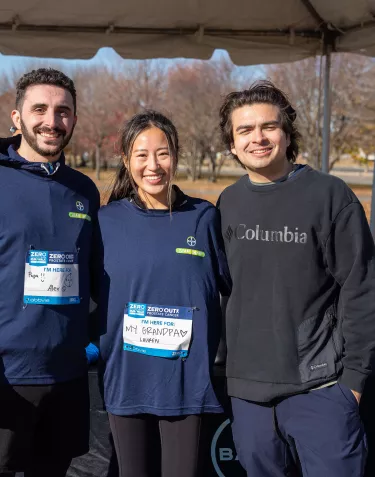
{"x": 51, "y": 278}
{"x": 157, "y": 330}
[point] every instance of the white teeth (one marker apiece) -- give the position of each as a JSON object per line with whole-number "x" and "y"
{"x": 260, "y": 151}
{"x": 153, "y": 178}
{"x": 49, "y": 135}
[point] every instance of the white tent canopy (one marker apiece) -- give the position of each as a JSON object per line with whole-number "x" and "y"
{"x": 252, "y": 31}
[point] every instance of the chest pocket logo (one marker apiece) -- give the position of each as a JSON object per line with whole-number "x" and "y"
{"x": 80, "y": 214}
{"x": 191, "y": 241}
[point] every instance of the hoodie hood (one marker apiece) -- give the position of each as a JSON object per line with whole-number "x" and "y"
{"x": 9, "y": 157}
{"x": 5, "y": 142}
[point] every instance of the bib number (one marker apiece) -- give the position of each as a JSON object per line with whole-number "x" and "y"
{"x": 157, "y": 330}
{"x": 51, "y": 278}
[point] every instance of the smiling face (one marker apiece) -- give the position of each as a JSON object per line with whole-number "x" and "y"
{"x": 46, "y": 120}
{"x": 259, "y": 141}
{"x": 152, "y": 167}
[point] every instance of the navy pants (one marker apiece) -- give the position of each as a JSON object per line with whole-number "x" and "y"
{"x": 315, "y": 434}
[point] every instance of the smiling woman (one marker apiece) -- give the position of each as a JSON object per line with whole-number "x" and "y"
{"x": 152, "y": 167}
{"x": 164, "y": 268}
{"x": 149, "y": 149}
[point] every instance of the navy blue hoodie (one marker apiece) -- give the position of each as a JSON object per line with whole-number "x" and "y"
{"x": 42, "y": 208}
{"x": 154, "y": 257}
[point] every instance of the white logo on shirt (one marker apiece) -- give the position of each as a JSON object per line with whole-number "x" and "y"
{"x": 242, "y": 232}
{"x": 191, "y": 241}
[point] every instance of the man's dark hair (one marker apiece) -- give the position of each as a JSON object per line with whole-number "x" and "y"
{"x": 260, "y": 92}
{"x": 47, "y": 76}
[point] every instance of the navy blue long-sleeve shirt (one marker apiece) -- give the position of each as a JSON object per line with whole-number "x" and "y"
{"x": 49, "y": 209}
{"x": 164, "y": 259}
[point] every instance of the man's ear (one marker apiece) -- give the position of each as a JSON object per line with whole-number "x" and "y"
{"x": 233, "y": 150}
{"x": 16, "y": 118}
{"x": 288, "y": 140}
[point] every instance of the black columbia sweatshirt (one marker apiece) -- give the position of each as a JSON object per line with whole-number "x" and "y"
{"x": 302, "y": 309}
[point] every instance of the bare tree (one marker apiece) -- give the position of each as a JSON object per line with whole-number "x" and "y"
{"x": 7, "y": 100}
{"x": 350, "y": 96}
{"x": 195, "y": 91}
{"x": 103, "y": 102}
{"x": 148, "y": 79}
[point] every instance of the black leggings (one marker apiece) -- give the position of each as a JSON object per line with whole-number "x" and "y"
{"x": 153, "y": 446}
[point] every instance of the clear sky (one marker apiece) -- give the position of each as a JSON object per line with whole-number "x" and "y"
{"x": 105, "y": 56}
{"x": 14, "y": 66}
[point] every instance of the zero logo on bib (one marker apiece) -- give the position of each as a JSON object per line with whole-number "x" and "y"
{"x": 51, "y": 278}
{"x": 157, "y": 330}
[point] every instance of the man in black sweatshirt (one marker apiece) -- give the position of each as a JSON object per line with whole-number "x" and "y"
{"x": 301, "y": 316}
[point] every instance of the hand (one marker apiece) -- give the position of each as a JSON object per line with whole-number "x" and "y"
{"x": 357, "y": 395}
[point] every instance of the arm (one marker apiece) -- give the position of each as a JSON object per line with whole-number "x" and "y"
{"x": 96, "y": 271}
{"x": 218, "y": 251}
{"x": 224, "y": 282}
{"x": 221, "y": 355}
{"x": 350, "y": 258}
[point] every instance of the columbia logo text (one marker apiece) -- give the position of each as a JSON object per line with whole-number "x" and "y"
{"x": 243, "y": 232}
{"x": 313, "y": 367}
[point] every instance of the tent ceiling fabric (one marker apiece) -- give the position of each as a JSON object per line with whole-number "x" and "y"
{"x": 253, "y": 31}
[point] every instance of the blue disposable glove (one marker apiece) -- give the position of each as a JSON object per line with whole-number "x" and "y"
{"x": 92, "y": 353}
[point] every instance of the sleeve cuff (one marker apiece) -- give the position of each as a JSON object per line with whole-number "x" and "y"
{"x": 353, "y": 380}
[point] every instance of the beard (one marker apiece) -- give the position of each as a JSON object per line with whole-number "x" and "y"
{"x": 51, "y": 151}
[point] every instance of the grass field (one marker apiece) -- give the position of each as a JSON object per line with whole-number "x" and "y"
{"x": 205, "y": 189}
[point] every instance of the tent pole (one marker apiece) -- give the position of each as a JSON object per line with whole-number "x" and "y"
{"x": 372, "y": 215}
{"x": 327, "y": 111}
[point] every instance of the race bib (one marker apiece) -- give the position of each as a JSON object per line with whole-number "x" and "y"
{"x": 51, "y": 278}
{"x": 158, "y": 330}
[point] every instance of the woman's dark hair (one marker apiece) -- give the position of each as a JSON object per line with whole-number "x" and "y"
{"x": 261, "y": 91}
{"x": 124, "y": 184}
